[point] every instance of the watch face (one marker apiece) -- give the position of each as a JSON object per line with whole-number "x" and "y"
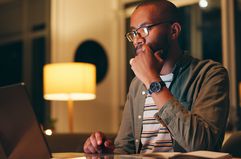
{"x": 155, "y": 87}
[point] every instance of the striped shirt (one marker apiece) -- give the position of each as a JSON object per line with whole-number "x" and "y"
{"x": 155, "y": 137}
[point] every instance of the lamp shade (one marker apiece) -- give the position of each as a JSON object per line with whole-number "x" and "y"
{"x": 69, "y": 81}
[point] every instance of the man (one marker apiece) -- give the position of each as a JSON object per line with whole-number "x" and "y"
{"x": 176, "y": 102}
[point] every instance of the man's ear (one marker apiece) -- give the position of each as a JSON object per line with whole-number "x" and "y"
{"x": 175, "y": 30}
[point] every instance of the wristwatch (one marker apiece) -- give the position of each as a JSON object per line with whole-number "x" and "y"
{"x": 155, "y": 87}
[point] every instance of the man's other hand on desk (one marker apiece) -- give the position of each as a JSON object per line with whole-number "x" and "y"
{"x": 98, "y": 143}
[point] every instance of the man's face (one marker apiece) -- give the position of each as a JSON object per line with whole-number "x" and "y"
{"x": 158, "y": 37}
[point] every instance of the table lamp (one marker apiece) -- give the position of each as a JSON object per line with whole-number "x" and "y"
{"x": 73, "y": 81}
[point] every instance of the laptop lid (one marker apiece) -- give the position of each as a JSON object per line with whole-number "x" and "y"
{"x": 20, "y": 134}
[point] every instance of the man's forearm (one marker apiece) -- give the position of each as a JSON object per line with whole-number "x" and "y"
{"x": 191, "y": 130}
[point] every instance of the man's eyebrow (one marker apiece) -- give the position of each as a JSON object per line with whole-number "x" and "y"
{"x": 143, "y": 24}
{"x": 132, "y": 28}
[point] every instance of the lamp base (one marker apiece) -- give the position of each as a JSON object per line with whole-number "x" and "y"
{"x": 70, "y": 114}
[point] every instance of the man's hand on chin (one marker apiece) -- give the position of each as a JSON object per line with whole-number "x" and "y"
{"x": 147, "y": 65}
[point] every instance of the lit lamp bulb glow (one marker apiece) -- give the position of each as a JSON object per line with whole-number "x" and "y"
{"x": 48, "y": 132}
{"x": 203, "y": 3}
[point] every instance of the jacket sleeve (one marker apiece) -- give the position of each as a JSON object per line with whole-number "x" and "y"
{"x": 203, "y": 127}
{"x": 125, "y": 142}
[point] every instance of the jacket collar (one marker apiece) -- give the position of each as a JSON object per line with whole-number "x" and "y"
{"x": 182, "y": 63}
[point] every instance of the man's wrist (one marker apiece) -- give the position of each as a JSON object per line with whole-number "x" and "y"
{"x": 155, "y": 87}
{"x": 149, "y": 81}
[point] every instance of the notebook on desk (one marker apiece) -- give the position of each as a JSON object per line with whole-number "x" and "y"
{"x": 20, "y": 134}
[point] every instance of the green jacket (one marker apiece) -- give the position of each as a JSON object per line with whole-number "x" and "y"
{"x": 196, "y": 116}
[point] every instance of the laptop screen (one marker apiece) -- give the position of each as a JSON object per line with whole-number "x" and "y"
{"x": 20, "y": 134}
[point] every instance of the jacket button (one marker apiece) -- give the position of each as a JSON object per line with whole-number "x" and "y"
{"x": 139, "y": 116}
{"x": 137, "y": 140}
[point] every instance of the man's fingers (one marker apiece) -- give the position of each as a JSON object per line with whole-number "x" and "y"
{"x": 99, "y": 137}
{"x": 91, "y": 149}
{"x": 97, "y": 143}
{"x": 131, "y": 61}
{"x": 88, "y": 148}
{"x": 108, "y": 144}
{"x": 86, "y": 144}
{"x": 146, "y": 48}
{"x": 94, "y": 142}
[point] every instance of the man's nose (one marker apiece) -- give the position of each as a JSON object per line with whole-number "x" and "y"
{"x": 138, "y": 40}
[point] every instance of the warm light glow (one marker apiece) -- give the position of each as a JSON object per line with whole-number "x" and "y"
{"x": 69, "y": 81}
{"x": 48, "y": 132}
{"x": 203, "y": 3}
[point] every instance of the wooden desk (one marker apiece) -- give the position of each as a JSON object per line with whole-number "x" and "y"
{"x": 95, "y": 156}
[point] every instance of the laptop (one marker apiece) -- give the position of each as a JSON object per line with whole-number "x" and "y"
{"x": 20, "y": 133}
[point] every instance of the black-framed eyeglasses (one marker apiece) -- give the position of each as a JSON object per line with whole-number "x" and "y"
{"x": 142, "y": 31}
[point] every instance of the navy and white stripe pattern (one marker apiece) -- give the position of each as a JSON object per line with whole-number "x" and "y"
{"x": 155, "y": 137}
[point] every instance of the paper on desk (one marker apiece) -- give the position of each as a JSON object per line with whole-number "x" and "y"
{"x": 207, "y": 154}
{"x": 190, "y": 155}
